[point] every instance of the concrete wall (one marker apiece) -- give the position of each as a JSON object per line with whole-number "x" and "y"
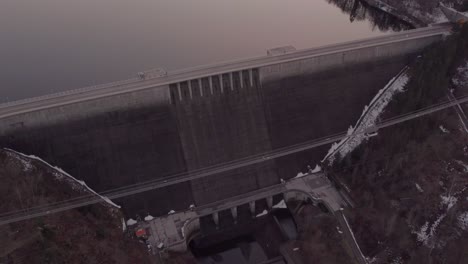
{"x": 110, "y": 143}
{"x": 161, "y": 95}
{"x": 312, "y": 106}
{"x": 220, "y": 127}
{"x": 155, "y": 133}
{"x": 156, "y": 96}
{"x": 343, "y": 59}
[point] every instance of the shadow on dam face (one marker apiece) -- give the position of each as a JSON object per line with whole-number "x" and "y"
{"x": 121, "y": 147}
{"x": 114, "y": 149}
{"x": 306, "y": 107}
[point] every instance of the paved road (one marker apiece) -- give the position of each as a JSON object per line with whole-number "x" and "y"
{"x": 90, "y": 93}
{"x": 350, "y": 239}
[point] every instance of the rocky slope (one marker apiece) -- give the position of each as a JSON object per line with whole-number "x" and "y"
{"x": 91, "y": 234}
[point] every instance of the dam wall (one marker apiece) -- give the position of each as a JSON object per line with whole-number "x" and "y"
{"x": 346, "y": 58}
{"x": 175, "y": 125}
{"x": 156, "y": 96}
{"x": 140, "y": 93}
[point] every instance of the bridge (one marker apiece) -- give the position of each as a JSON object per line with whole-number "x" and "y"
{"x": 173, "y": 231}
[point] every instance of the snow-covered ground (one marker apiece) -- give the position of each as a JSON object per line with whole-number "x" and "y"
{"x": 443, "y": 129}
{"x": 461, "y": 77}
{"x": 414, "y": 9}
{"x": 357, "y": 134}
{"x": 131, "y": 222}
{"x": 60, "y": 175}
{"x": 460, "y": 81}
{"x": 317, "y": 169}
{"x": 419, "y": 188}
{"x": 462, "y": 221}
{"x": 427, "y": 233}
{"x": 265, "y": 212}
{"x": 281, "y": 204}
{"x": 448, "y": 201}
{"x": 124, "y": 225}
{"x": 149, "y": 218}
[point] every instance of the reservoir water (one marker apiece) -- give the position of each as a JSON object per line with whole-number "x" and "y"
{"x": 55, "y": 45}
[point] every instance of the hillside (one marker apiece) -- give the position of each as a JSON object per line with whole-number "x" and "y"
{"x": 92, "y": 234}
{"x": 426, "y": 10}
{"x": 410, "y": 183}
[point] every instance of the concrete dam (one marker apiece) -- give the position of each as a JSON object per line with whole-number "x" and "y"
{"x": 136, "y": 130}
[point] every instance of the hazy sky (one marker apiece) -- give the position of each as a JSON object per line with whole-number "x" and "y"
{"x": 51, "y": 45}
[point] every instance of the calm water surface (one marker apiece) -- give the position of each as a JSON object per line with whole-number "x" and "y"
{"x": 54, "y": 45}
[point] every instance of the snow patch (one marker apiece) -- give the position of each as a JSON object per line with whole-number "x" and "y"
{"x": 25, "y": 163}
{"x": 124, "y": 226}
{"x": 465, "y": 167}
{"x": 355, "y": 136}
{"x": 414, "y": 9}
{"x": 443, "y": 129}
{"x": 131, "y": 222}
{"x": 339, "y": 230}
{"x": 27, "y": 166}
{"x": 422, "y": 235}
{"x": 182, "y": 229}
{"x": 397, "y": 260}
{"x": 149, "y": 218}
{"x": 265, "y": 212}
{"x": 300, "y": 175}
{"x": 461, "y": 77}
{"x": 419, "y": 188}
{"x": 58, "y": 173}
{"x": 371, "y": 260}
{"x": 462, "y": 221}
{"x": 449, "y": 201}
{"x": 427, "y": 233}
{"x": 317, "y": 169}
{"x": 171, "y": 212}
{"x": 281, "y": 204}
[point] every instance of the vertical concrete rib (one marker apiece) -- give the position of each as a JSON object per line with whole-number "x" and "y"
{"x": 190, "y": 89}
{"x": 234, "y": 214}
{"x": 251, "y": 77}
{"x": 201, "y": 87}
{"x": 269, "y": 201}
{"x": 241, "y": 79}
{"x": 231, "y": 81}
{"x": 221, "y": 83}
{"x": 216, "y": 219}
{"x": 211, "y": 84}
{"x": 180, "y": 91}
{"x": 252, "y": 208}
